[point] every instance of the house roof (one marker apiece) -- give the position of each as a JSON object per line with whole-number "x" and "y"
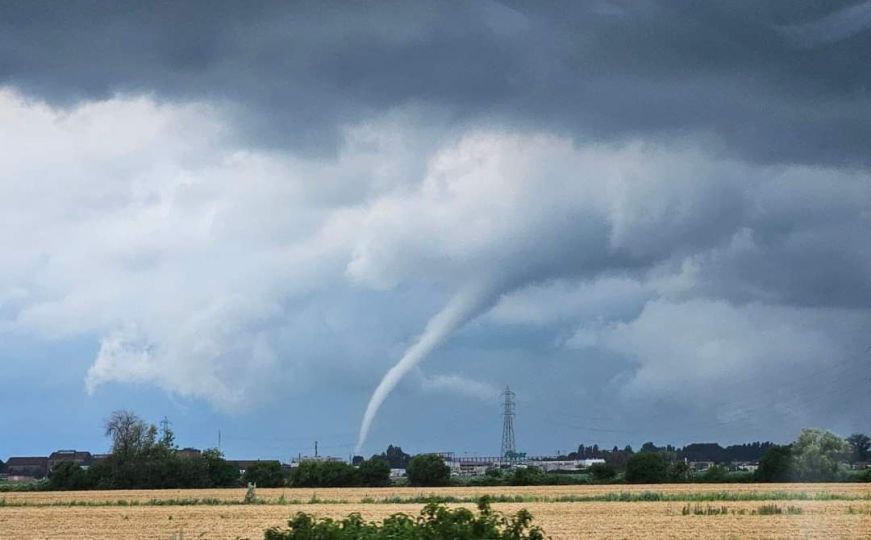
{"x": 27, "y": 461}
{"x": 70, "y": 454}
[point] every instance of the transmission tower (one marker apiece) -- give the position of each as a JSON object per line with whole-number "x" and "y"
{"x": 508, "y": 450}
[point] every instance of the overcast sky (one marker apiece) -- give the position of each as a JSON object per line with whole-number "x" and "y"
{"x": 651, "y": 219}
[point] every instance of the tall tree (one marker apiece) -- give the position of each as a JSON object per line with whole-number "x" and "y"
{"x": 428, "y": 470}
{"x": 374, "y": 473}
{"x": 130, "y": 434}
{"x": 860, "y": 446}
{"x": 775, "y": 465}
{"x": 816, "y": 455}
{"x": 265, "y": 474}
{"x": 646, "y": 468}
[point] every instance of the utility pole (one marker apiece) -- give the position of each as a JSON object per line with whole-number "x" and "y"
{"x": 508, "y": 449}
{"x": 316, "y": 449}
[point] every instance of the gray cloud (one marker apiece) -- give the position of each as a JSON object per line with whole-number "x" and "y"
{"x": 296, "y": 73}
{"x": 228, "y": 198}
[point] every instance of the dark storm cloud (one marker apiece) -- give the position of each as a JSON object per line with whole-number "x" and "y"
{"x": 776, "y": 81}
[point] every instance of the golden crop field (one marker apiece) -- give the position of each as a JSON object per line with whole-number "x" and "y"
{"x": 43, "y": 515}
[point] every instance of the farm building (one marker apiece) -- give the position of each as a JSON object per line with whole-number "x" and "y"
{"x": 27, "y": 467}
{"x": 83, "y": 459}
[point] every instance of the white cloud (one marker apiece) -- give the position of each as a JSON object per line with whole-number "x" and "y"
{"x": 737, "y": 359}
{"x": 460, "y": 385}
{"x": 186, "y": 254}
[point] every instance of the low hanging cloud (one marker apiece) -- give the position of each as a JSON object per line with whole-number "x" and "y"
{"x": 188, "y": 254}
{"x": 502, "y": 213}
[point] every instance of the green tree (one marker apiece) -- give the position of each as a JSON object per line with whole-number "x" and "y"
{"x": 374, "y": 473}
{"x": 860, "y": 446}
{"x": 130, "y": 434}
{"x": 220, "y": 472}
{"x": 167, "y": 435}
{"x": 395, "y": 457}
{"x": 775, "y": 465}
{"x": 649, "y": 447}
{"x": 603, "y": 472}
{"x": 264, "y": 474}
{"x": 646, "y": 468}
{"x": 526, "y": 476}
{"x": 324, "y": 474}
{"x": 715, "y": 474}
{"x": 338, "y": 474}
{"x": 68, "y": 476}
{"x": 428, "y": 470}
{"x": 679, "y": 471}
{"x": 817, "y": 454}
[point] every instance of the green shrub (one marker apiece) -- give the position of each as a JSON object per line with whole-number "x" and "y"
{"x": 435, "y": 522}
{"x": 679, "y": 471}
{"x": 646, "y": 468}
{"x": 374, "y": 472}
{"x": 68, "y": 476}
{"x": 526, "y": 476}
{"x": 603, "y": 472}
{"x": 775, "y": 465}
{"x": 428, "y": 470}
{"x": 265, "y": 474}
{"x": 715, "y": 474}
{"x": 324, "y": 474}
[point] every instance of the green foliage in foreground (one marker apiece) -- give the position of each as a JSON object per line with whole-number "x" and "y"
{"x": 435, "y": 522}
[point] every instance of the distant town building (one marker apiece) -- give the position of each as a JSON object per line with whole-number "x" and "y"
{"x": 244, "y": 464}
{"x": 26, "y": 467}
{"x": 189, "y": 453}
{"x": 80, "y": 458}
{"x": 700, "y": 466}
{"x": 563, "y": 465}
{"x": 318, "y": 459}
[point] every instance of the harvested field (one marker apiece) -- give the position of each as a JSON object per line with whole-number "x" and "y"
{"x": 561, "y": 520}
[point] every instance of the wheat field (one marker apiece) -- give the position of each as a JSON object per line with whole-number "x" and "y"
{"x": 43, "y": 515}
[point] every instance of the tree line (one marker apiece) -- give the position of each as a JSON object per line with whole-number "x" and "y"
{"x": 816, "y": 456}
{"x": 145, "y": 457}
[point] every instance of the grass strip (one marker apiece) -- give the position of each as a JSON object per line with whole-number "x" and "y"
{"x": 624, "y": 496}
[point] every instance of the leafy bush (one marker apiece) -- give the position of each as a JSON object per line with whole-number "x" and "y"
{"x": 646, "y": 468}
{"x": 265, "y": 474}
{"x": 435, "y": 522}
{"x": 715, "y": 474}
{"x": 775, "y": 465}
{"x": 324, "y": 474}
{"x": 679, "y": 471}
{"x": 374, "y": 472}
{"x": 428, "y": 470}
{"x": 68, "y": 476}
{"x": 526, "y": 476}
{"x": 603, "y": 472}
